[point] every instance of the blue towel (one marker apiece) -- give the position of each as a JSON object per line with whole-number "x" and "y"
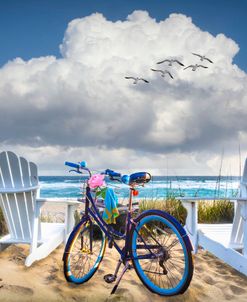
{"x": 111, "y": 211}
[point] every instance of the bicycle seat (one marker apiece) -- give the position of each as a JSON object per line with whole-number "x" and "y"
{"x": 139, "y": 178}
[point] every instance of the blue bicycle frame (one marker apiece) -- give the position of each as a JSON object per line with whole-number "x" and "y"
{"x": 133, "y": 226}
{"x": 94, "y": 213}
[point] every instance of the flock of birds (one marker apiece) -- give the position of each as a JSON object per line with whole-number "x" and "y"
{"x": 170, "y": 62}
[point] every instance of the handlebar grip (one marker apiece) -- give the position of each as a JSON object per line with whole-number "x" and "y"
{"x": 72, "y": 165}
{"x": 112, "y": 173}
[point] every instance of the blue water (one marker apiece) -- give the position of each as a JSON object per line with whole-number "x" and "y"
{"x": 159, "y": 187}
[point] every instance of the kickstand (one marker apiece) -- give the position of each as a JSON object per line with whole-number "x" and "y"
{"x": 126, "y": 267}
{"x": 109, "y": 278}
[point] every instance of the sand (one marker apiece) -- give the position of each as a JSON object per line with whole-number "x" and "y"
{"x": 44, "y": 281}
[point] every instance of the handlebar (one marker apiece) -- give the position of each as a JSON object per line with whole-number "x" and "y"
{"x": 112, "y": 173}
{"x": 72, "y": 165}
{"x": 138, "y": 178}
{"x": 78, "y": 166}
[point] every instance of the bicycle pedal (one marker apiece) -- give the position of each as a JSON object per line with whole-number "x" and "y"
{"x": 109, "y": 278}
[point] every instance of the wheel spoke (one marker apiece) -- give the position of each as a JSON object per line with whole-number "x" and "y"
{"x": 81, "y": 259}
{"x": 160, "y": 240}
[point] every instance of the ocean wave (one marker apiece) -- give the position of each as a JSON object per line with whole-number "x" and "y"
{"x": 59, "y": 185}
{"x": 193, "y": 185}
{"x": 68, "y": 187}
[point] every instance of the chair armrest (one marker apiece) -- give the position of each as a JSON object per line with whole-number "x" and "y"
{"x": 70, "y": 205}
{"x": 60, "y": 201}
{"x": 197, "y": 199}
{"x": 19, "y": 190}
{"x": 240, "y": 199}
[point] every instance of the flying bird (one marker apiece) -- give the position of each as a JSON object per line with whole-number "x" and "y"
{"x": 170, "y": 61}
{"x": 163, "y": 72}
{"x": 202, "y": 58}
{"x": 194, "y": 67}
{"x": 136, "y": 79}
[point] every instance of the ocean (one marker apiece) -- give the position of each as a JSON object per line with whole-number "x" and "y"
{"x": 159, "y": 187}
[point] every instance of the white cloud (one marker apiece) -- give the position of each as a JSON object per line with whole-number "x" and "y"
{"x": 53, "y": 109}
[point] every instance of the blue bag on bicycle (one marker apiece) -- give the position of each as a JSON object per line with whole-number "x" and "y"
{"x": 111, "y": 211}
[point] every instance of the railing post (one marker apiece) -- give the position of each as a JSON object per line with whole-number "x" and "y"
{"x": 244, "y": 217}
{"x": 191, "y": 221}
{"x": 69, "y": 220}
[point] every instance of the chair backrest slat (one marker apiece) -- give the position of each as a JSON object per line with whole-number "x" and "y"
{"x": 25, "y": 172}
{"x": 14, "y": 165}
{"x": 15, "y": 213}
{"x": 34, "y": 174}
{"x": 29, "y": 208}
{"x": 1, "y": 179}
{"x": 18, "y": 208}
{"x": 24, "y": 215}
{"x": 243, "y": 184}
{"x": 237, "y": 233}
{"x": 9, "y": 213}
{"x": 244, "y": 177}
{"x": 238, "y": 224}
{"x": 6, "y": 175}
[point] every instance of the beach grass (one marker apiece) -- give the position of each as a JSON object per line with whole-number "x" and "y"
{"x": 215, "y": 211}
{"x": 52, "y": 217}
{"x": 77, "y": 217}
{"x": 3, "y": 226}
{"x": 171, "y": 205}
{"x": 218, "y": 211}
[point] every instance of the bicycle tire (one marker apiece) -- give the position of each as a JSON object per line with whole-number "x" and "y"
{"x": 152, "y": 226}
{"x": 77, "y": 246}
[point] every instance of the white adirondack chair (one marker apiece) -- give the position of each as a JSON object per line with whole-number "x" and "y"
{"x": 19, "y": 190}
{"x": 226, "y": 241}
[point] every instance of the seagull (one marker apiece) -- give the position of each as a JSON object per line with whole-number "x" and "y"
{"x": 163, "y": 72}
{"x": 137, "y": 79}
{"x": 194, "y": 67}
{"x": 202, "y": 58}
{"x": 170, "y": 62}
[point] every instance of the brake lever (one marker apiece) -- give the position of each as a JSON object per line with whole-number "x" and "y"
{"x": 77, "y": 171}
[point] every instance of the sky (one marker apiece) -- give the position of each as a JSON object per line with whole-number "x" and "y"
{"x": 64, "y": 96}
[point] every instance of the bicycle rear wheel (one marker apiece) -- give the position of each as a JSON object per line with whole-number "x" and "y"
{"x": 161, "y": 253}
{"x": 83, "y": 252}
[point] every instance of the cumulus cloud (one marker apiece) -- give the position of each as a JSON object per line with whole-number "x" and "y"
{"x": 81, "y": 103}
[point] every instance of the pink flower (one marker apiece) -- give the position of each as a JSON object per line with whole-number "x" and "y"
{"x": 97, "y": 180}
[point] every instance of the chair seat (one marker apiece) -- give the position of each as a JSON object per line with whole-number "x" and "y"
{"x": 220, "y": 233}
{"x": 49, "y": 229}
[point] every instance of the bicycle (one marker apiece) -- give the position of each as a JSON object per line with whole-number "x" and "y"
{"x": 155, "y": 243}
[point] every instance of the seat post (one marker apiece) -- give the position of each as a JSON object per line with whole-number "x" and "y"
{"x": 130, "y": 199}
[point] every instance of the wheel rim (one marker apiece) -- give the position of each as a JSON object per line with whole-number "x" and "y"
{"x": 160, "y": 255}
{"x": 84, "y": 260}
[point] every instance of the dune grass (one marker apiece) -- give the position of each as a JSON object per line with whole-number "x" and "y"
{"x": 3, "y": 226}
{"x": 170, "y": 205}
{"x": 218, "y": 211}
{"x": 215, "y": 211}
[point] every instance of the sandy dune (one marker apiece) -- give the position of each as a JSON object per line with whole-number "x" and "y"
{"x": 44, "y": 281}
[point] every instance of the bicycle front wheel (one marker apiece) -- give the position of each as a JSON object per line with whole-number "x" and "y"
{"x": 161, "y": 253}
{"x": 83, "y": 252}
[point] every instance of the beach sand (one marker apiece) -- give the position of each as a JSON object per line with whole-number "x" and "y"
{"x": 44, "y": 281}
